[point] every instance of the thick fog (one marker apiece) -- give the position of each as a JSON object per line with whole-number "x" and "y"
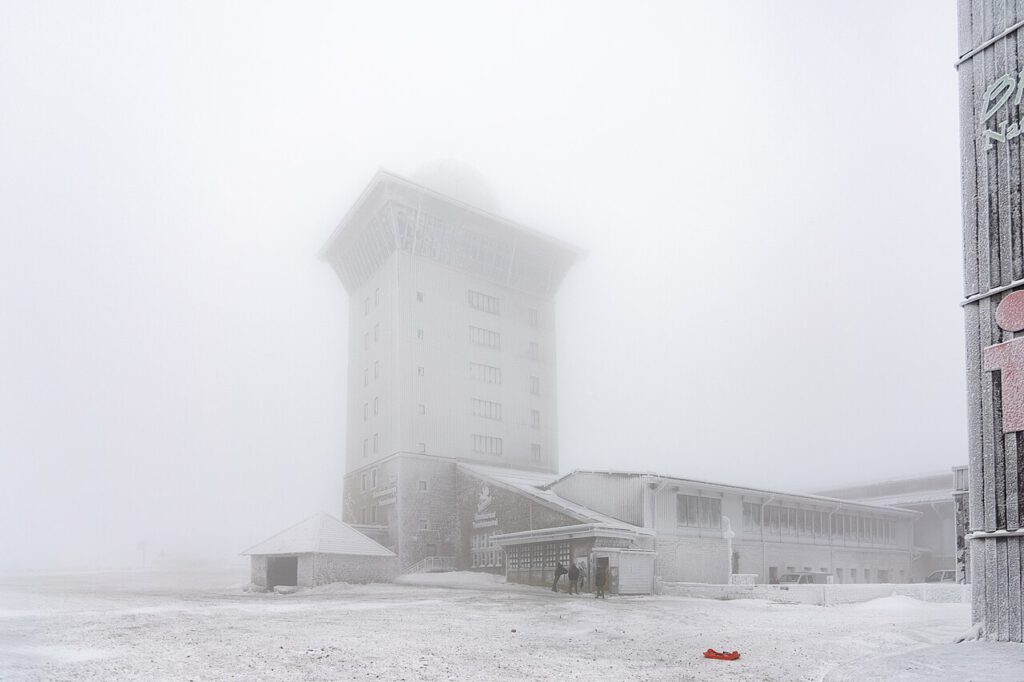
{"x": 768, "y": 194}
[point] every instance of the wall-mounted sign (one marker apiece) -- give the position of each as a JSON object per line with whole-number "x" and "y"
{"x": 484, "y": 518}
{"x": 1007, "y": 90}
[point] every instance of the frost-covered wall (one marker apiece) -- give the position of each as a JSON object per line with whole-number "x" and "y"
{"x": 322, "y": 569}
{"x": 346, "y": 568}
{"x": 991, "y": 49}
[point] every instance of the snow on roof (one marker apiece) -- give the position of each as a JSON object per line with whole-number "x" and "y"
{"x": 918, "y": 497}
{"x": 321, "y": 533}
{"x": 762, "y": 491}
{"x": 530, "y": 483}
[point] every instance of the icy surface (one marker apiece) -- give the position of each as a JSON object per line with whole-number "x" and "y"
{"x": 205, "y": 626}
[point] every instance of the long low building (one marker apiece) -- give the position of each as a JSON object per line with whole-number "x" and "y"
{"x": 640, "y": 526}
{"x": 705, "y": 532}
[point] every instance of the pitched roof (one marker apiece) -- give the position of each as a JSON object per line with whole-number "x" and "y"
{"x": 534, "y": 485}
{"x": 321, "y": 533}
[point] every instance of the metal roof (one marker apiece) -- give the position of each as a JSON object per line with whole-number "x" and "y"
{"x": 742, "y": 489}
{"x": 530, "y": 482}
{"x": 321, "y": 533}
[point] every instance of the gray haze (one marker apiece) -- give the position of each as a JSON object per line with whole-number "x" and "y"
{"x": 768, "y": 193}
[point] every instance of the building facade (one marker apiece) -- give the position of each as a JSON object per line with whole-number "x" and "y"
{"x": 451, "y": 447}
{"x": 990, "y": 62}
{"x": 706, "y": 532}
{"x": 934, "y": 531}
{"x": 451, "y": 354}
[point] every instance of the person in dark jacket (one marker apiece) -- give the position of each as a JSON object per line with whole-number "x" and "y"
{"x": 574, "y": 578}
{"x": 560, "y": 570}
{"x": 600, "y": 580}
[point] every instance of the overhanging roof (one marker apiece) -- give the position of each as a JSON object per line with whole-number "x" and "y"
{"x": 395, "y": 213}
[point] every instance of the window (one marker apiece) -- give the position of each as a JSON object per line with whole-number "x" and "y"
{"x": 488, "y": 304}
{"x": 535, "y": 418}
{"x": 376, "y": 405}
{"x": 376, "y": 369}
{"x": 366, "y": 377}
{"x": 363, "y": 515}
{"x": 421, "y": 408}
{"x": 419, "y": 296}
{"x": 536, "y": 455}
{"x": 422, "y": 447}
{"x": 698, "y": 512}
{"x": 535, "y": 385}
{"x": 485, "y": 373}
{"x": 366, "y": 306}
{"x": 366, "y": 340}
{"x": 751, "y": 516}
{"x": 423, "y": 524}
{"x": 373, "y": 478}
{"x": 488, "y": 445}
{"x": 419, "y": 371}
{"x": 373, "y": 514}
{"x": 363, "y": 482}
{"x": 532, "y": 317}
{"x": 534, "y": 351}
{"x": 364, "y": 447}
{"x": 486, "y": 409}
{"x": 376, "y": 333}
{"x": 376, "y": 442}
{"x": 419, "y": 334}
{"x": 366, "y": 411}
{"x": 484, "y": 337}
{"x": 422, "y": 487}
{"x": 376, "y": 297}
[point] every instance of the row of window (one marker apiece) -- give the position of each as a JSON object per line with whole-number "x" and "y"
{"x": 486, "y": 409}
{"x": 487, "y": 445}
{"x": 492, "y": 375}
{"x": 484, "y": 553}
{"x": 696, "y": 511}
{"x": 484, "y": 337}
{"x": 815, "y": 523}
{"x": 485, "y": 303}
{"x": 376, "y": 373}
{"x": 490, "y": 445}
{"x": 477, "y": 300}
{"x": 538, "y": 556}
{"x": 369, "y": 481}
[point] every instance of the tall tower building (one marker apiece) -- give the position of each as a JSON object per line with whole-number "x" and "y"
{"x": 451, "y": 352}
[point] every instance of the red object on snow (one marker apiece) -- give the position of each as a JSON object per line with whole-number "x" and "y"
{"x": 722, "y": 655}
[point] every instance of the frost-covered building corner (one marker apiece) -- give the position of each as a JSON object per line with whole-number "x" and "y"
{"x": 991, "y": 87}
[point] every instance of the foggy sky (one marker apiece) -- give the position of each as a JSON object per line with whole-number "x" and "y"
{"x": 768, "y": 194}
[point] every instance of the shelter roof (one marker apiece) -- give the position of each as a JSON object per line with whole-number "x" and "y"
{"x": 530, "y": 484}
{"x": 320, "y": 533}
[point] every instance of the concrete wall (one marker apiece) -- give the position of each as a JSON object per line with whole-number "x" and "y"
{"x": 335, "y": 568}
{"x": 258, "y": 565}
{"x": 321, "y": 569}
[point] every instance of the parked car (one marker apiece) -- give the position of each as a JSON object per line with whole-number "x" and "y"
{"x": 803, "y": 578}
{"x": 941, "y": 577}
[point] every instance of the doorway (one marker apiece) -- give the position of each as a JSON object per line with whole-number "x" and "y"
{"x": 282, "y": 570}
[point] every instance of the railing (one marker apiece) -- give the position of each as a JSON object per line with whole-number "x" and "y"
{"x": 432, "y": 564}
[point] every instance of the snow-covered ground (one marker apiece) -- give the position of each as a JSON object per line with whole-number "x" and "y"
{"x": 203, "y": 626}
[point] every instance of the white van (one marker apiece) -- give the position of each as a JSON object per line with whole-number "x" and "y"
{"x": 804, "y": 578}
